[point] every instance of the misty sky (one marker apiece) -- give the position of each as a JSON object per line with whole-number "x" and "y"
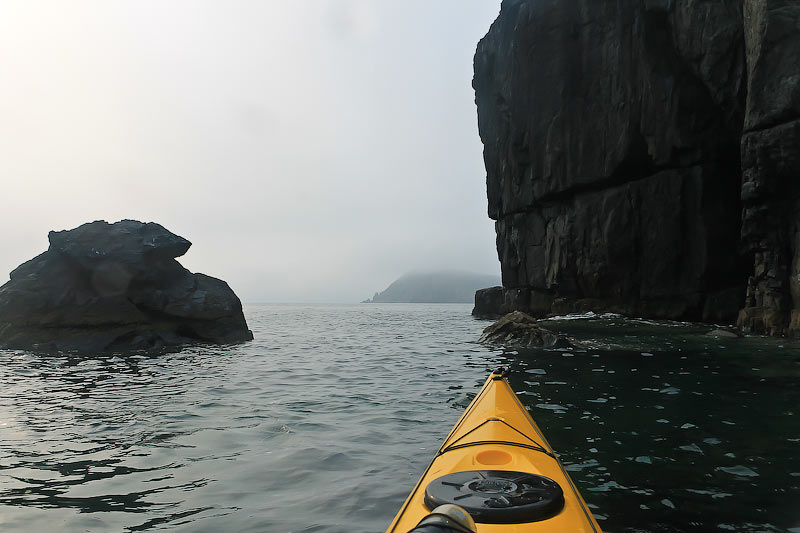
{"x": 312, "y": 151}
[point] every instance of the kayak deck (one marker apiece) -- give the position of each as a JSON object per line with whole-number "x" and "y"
{"x": 496, "y": 433}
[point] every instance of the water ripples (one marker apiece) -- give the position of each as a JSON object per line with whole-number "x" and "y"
{"x": 325, "y": 421}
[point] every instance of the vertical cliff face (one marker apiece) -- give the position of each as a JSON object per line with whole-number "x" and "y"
{"x": 771, "y": 166}
{"x": 619, "y": 140}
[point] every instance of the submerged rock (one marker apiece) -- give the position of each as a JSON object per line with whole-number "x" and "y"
{"x": 488, "y": 302}
{"x": 521, "y": 330}
{"x": 115, "y": 287}
{"x": 724, "y": 333}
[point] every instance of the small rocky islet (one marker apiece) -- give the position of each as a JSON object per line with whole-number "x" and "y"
{"x": 115, "y": 288}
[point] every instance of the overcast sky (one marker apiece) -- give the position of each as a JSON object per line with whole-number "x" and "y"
{"x": 311, "y": 151}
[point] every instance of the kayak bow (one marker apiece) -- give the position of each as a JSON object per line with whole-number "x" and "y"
{"x": 496, "y": 464}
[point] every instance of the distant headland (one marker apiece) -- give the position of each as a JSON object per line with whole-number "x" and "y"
{"x": 434, "y": 287}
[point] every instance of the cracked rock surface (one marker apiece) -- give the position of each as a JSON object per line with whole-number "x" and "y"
{"x": 643, "y": 157}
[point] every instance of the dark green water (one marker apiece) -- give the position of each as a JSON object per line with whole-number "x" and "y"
{"x": 670, "y": 430}
{"x": 326, "y": 420}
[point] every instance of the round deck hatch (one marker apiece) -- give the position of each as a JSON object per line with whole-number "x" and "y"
{"x": 497, "y": 496}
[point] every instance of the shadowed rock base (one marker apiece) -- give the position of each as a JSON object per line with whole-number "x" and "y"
{"x": 115, "y": 287}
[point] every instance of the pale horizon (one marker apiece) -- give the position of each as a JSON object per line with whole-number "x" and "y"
{"x": 311, "y": 152}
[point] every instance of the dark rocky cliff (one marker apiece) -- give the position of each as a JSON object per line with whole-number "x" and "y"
{"x": 642, "y": 157}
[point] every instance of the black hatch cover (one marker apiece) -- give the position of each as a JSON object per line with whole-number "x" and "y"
{"x": 497, "y": 496}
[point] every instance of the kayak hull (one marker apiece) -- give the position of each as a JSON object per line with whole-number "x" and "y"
{"x": 496, "y": 433}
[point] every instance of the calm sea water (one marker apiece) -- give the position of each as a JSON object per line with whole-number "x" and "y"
{"x": 326, "y": 420}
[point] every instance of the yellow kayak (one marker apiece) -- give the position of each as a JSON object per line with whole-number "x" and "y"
{"x": 497, "y": 465}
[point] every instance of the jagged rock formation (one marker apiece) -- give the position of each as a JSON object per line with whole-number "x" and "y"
{"x": 518, "y": 329}
{"x": 115, "y": 287}
{"x": 433, "y": 287}
{"x": 640, "y": 157}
